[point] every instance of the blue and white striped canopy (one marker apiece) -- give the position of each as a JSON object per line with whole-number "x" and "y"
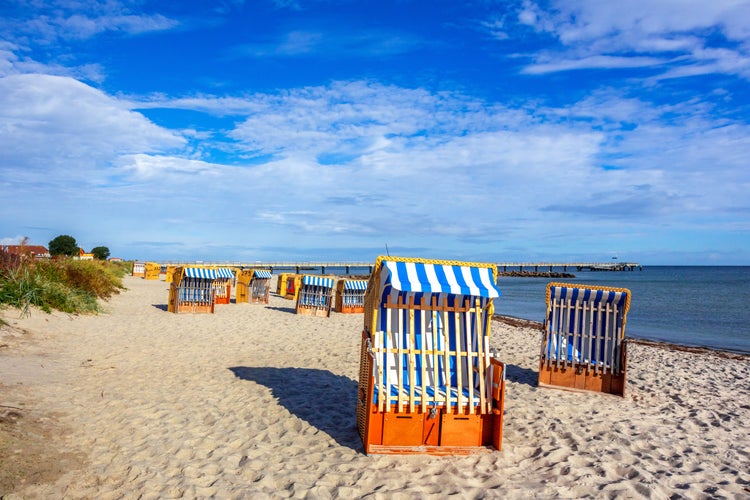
{"x": 355, "y": 285}
{"x": 262, "y": 274}
{"x": 317, "y": 281}
{"x": 440, "y": 278}
{"x": 224, "y": 272}
{"x": 593, "y": 296}
{"x": 200, "y": 273}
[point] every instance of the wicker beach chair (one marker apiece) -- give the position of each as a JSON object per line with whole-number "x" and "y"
{"x": 258, "y": 287}
{"x": 315, "y": 296}
{"x": 583, "y": 343}
{"x": 192, "y": 291}
{"x": 427, "y": 381}
{"x": 139, "y": 269}
{"x": 350, "y": 296}
{"x": 222, "y": 285}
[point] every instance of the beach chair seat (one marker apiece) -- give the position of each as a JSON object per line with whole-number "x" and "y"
{"x": 428, "y": 383}
{"x": 583, "y": 342}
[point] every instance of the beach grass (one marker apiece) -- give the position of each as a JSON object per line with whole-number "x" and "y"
{"x": 63, "y": 284}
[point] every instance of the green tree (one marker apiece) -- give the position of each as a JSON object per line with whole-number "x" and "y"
{"x": 63, "y": 245}
{"x": 101, "y": 253}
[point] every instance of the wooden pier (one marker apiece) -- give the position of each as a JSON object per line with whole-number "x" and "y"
{"x": 321, "y": 267}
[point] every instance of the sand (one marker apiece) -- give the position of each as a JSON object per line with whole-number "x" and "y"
{"x": 256, "y": 401}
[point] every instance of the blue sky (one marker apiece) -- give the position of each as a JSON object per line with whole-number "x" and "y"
{"x": 321, "y": 130}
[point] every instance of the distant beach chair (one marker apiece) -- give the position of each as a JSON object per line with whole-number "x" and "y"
{"x": 583, "y": 343}
{"x": 350, "y": 296}
{"x": 222, "y": 285}
{"x": 192, "y": 291}
{"x": 152, "y": 270}
{"x": 253, "y": 285}
{"x": 288, "y": 285}
{"x": 315, "y": 296}
{"x": 427, "y": 380}
{"x": 139, "y": 269}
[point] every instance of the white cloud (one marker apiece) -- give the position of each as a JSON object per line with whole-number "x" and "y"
{"x": 677, "y": 33}
{"x": 56, "y": 127}
{"x": 364, "y": 162}
{"x": 53, "y": 22}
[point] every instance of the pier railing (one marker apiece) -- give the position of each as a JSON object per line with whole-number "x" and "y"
{"x": 348, "y": 266}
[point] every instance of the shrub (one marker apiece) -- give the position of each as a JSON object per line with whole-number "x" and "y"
{"x": 67, "y": 285}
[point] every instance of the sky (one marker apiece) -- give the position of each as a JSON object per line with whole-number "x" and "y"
{"x": 283, "y": 130}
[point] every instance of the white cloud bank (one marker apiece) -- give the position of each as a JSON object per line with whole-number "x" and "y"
{"x": 355, "y": 165}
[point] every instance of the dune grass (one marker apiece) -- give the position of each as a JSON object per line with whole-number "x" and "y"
{"x": 63, "y": 284}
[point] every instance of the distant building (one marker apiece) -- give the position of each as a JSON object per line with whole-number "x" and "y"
{"x": 82, "y": 255}
{"x": 33, "y": 251}
{"x": 115, "y": 259}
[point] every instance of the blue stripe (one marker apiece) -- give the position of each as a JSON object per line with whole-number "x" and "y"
{"x": 259, "y": 273}
{"x": 403, "y": 277}
{"x": 442, "y": 279}
{"x": 422, "y": 276}
{"x": 465, "y": 290}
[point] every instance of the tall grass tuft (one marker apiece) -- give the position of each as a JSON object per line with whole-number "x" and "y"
{"x": 66, "y": 285}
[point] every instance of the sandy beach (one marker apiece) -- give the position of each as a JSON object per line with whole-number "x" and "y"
{"x": 256, "y": 401}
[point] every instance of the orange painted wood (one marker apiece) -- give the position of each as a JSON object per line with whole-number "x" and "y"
{"x": 460, "y": 430}
{"x": 403, "y": 429}
{"x": 431, "y": 429}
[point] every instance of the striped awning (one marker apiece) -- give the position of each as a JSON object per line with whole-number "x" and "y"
{"x": 223, "y": 272}
{"x": 594, "y": 296}
{"x": 201, "y": 273}
{"x": 355, "y": 285}
{"x": 440, "y": 278}
{"x": 262, "y": 274}
{"x": 317, "y": 281}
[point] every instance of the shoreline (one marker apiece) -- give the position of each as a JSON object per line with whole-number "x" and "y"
{"x": 256, "y": 400}
{"x": 696, "y": 349}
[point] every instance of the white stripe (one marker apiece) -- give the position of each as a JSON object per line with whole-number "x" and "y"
{"x": 411, "y": 272}
{"x": 469, "y": 279}
{"x": 390, "y": 268}
{"x": 451, "y": 277}
{"x": 432, "y": 278}
{"x": 485, "y": 274}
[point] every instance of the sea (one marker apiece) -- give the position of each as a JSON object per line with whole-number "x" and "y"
{"x": 699, "y": 306}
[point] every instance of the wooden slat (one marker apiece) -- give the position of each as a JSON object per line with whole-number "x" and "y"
{"x": 411, "y": 363}
{"x": 435, "y": 350}
{"x": 469, "y": 358}
{"x": 480, "y": 353}
{"x": 603, "y": 359}
{"x": 576, "y": 324}
{"x": 459, "y": 334}
{"x": 446, "y": 348}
